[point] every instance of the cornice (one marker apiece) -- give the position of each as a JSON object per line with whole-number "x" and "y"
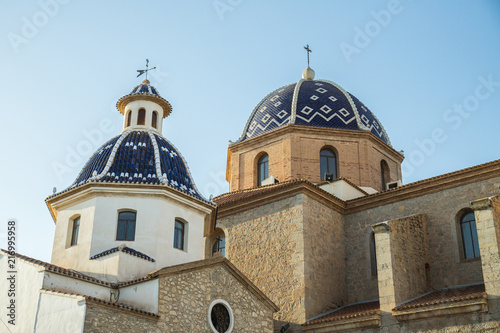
{"x": 256, "y": 198}
{"x": 93, "y": 189}
{"x": 426, "y": 186}
{"x": 277, "y": 193}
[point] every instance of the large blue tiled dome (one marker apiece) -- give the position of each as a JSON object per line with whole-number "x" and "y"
{"x": 141, "y": 157}
{"x": 317, "y": 103}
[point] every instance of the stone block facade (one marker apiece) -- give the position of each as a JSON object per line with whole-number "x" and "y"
{"x": 186, "y": 294}
{"x": 447, "y": 268}
{"x": 185, "y": 298}
{"x": 324, "y": 254}
{"x": 268, "y": 248}
{"x": 101, "y": 318}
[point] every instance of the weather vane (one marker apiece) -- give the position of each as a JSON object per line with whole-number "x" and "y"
{"x": 142, "y": 71}
{"x": 308, "y": 51}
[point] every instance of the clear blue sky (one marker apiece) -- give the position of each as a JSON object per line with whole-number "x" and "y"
{"x": 64, "y": 66}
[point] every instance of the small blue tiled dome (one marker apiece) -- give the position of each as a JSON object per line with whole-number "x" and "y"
{"x": 145, "y": 92}
{"x": 141, "y": 157}
{"x": 317, "y": 103}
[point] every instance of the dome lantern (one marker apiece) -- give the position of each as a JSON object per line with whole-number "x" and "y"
{"x": 144, "y": 108}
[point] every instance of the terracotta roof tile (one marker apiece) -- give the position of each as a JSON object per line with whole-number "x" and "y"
{"x": 348, "y": 312}
{"x": 101, "y": 301}
{"x": 61, "y": 270}
{"x": 442, "y": 296}
{"x": 253, "y": 192}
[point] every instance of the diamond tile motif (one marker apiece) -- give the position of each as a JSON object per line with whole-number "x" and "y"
{"x": 318, "y": 104}
{"x": 326, "y": 109}
{"x": 306, "y": 110}
{"x": 282, "y": 114}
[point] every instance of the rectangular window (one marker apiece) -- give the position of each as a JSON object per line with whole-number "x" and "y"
{"x": 126, "y": 226}
{"x": 75, "y": 230}
{"x": 179, "y": 235}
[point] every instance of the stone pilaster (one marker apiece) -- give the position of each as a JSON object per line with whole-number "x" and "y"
{"x": 385, "y": 272}
{"x": 488, "y": 231}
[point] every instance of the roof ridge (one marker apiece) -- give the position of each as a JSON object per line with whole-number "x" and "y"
{"x": 430, "y": 179}
{"x": 60, "y": 270}
{"x": 99, "y": 300}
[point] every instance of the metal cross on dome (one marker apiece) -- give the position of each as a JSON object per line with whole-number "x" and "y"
{"x": 308, "y": 51}
{"x": 142, "y": 71}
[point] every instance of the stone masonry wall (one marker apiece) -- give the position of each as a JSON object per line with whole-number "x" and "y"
{"x": 99, "y": 318}
{"x": 324, "y": 252}
{"x": 441, "y": 208}
{"x": 266, "y": 244}
{"x": 409, "y": 251}
{"x": 185, "y": 298}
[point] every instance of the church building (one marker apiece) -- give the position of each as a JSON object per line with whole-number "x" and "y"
{"x": 316, "y": 234}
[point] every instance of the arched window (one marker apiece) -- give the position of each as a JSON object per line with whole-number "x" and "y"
{"x": 179, "y": 234}
{"x": 373, "y": 255}
{"x": 262, "y": 169}
{"x": 219, "y": 246}
{"x": 154, "y": 119}
{"x": 470, "y": 244}
{"x": 126, "y": 226}
{"x": 328, "y": 163}
{"x": 141, "y": 117}
{"x": 384, "y": 174}
{"x": 74, "y": 231}
{"x": 129, "y": 118}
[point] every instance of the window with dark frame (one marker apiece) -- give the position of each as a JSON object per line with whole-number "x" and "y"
{"x": 126, "y": 226}
{"x": 129, "y": 118}
{"x": 75, "y": 230}
{"x": 384, "y": 174}
{"x": 373, "y": 255}
{"x": 219, "y": 246}
{"x": 154, "y": 119}
{"x": 468, "y": 230}
{"x": 262, "y": 169}
{"x": 220, "y": 318}
{"x": 179, "y": 235}
{"x": 141, "y": 117}
{"x": 328, "y": 163}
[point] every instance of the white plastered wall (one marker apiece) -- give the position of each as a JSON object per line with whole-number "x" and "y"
{"x": 149, "y": 107}
{"x": 142, "y": 295}
{"x": 60, "y": 313}
{"x": 154, "y": 234}
{"x": 28, "y": 285}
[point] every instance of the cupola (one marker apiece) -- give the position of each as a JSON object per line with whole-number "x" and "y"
{"x": 144, "y": 108}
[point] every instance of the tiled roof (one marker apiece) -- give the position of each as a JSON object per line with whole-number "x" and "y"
{"x": 60, "y": 270}
{"x": 448, "y": 295}
{"x": 101, "y": 301}
{"x": 317, "y": 103}
{"x": 348, "y": 312}
{"x": 144, "y": 91}
{"x": 77, "y": 275}
{"x": 138, "y": 157}
{"x": 237, "y": 195}
{"x": 125, "y": 249}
